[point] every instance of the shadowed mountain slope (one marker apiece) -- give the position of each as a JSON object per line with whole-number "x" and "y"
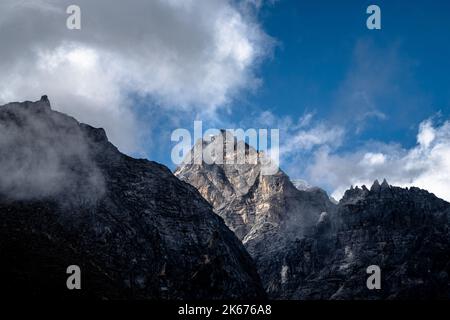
{"x": 68, "y": 196}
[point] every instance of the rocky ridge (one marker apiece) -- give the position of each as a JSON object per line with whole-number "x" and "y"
{"x": 266, "y": 212}
{"x": 307, "y": 247}
{"x": 68, "y": 196}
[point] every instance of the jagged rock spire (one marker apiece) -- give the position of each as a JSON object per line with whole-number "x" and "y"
{"x": 43, "y": 103}
{"x": 376, "y": 186}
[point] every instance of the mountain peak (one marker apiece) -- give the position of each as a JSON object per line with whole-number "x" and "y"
{"x": 375, "y": 186}
{"x": 44, "y": 98}
{"x": 60, "y": 178}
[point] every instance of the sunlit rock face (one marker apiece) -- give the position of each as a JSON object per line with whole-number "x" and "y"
{"x": 68, "y": 196}
{"x": 301, "y": 184}
{"x": 266, "y": 212}
{"x": 308, "y": 247}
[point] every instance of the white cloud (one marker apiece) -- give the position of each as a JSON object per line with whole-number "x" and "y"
{"x": 77, "y": 80}
{"x": 373, "y": 159}
{"x": 190, "y": 55}
{"x": 299, "y": 138}
{"x": 426, "y": 134}
{"x": 309, "y": 138}
{"x": 427, "y": 165}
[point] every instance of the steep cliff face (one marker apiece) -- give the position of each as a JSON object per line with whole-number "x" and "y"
{"x": 68, "y": 196}
{"x": 403, "y": 231}
{"x": 306, "y": 247}
{"x": 267, "y": 212}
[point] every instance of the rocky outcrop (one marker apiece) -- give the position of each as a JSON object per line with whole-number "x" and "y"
{"x": 403, "y": 231}
{"x": 306, "y": 247}
{"x": 267, "y": 212}
{"x": 68, "y": 196}
{"x": 301, "y": 185}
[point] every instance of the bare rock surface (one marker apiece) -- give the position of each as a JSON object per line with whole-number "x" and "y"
{"x": 68, "y": 196}
{"x": 308, "y": 247}
{"x": 267, "y": 212}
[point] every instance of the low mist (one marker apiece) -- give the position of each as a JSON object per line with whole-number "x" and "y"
{"x": 45, "y": 154}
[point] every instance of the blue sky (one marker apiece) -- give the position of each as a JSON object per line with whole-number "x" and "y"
{"x": 320, "y": 44}
{"x": 352, "y": 104}
{"x": 377, "y": 85}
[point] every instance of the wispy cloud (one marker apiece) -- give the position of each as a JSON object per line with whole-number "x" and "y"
{"x": 426, "y": 165}
{"x": 373, "y": 90}
{"x": 300, "y": 138}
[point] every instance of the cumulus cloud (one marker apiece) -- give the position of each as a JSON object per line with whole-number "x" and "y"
{"x": 314, "y": 150}
{"x": 181, "y": 55}
{"x": 426, "y": 165}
